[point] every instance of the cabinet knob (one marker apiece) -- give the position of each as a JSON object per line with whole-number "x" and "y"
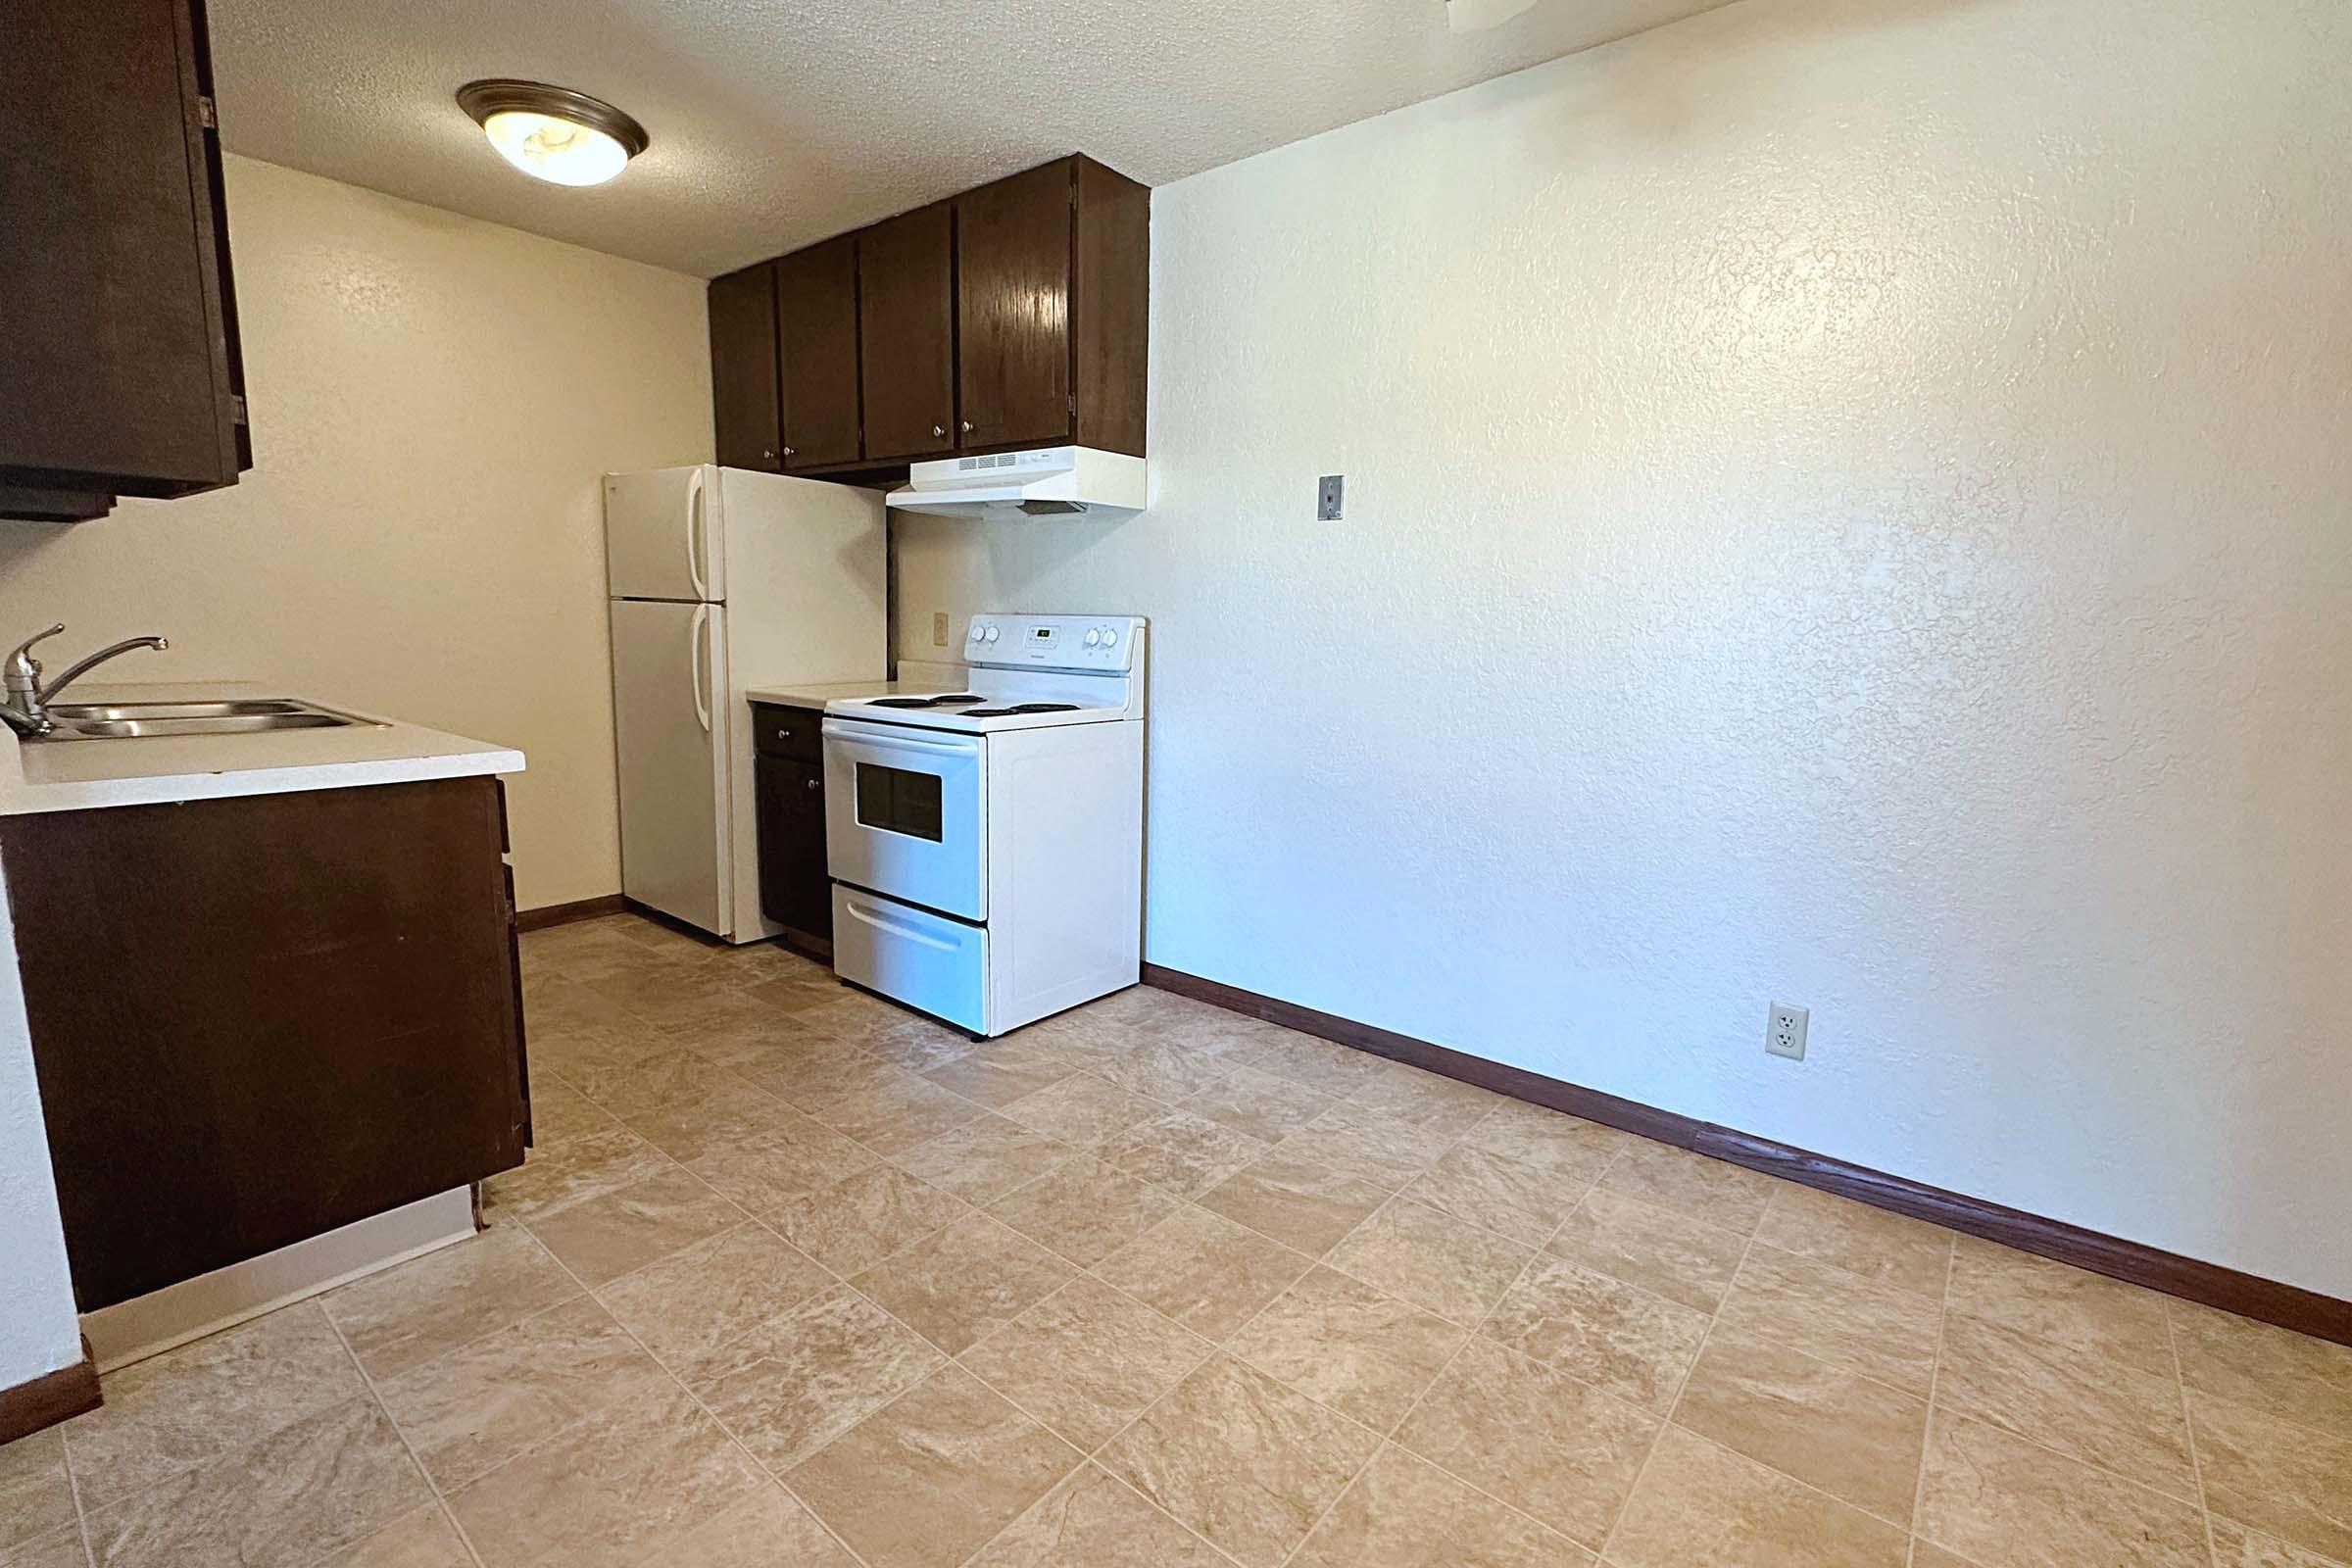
{"x": 769, "y": 454}
{"x": 809, "y": 784}
{"x": 788, "y": 451}
{"x": 968, "y": 428}
{"x": 939, "y": 429}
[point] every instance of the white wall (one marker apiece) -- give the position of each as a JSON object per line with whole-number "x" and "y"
{"x": 435, "y": 401}
{"x": 1847, "y": 503}
{"x": 38, "y": 1331}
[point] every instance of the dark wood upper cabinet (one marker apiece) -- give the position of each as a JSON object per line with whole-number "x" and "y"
{"x": 1012, "y": 316}
{"x": 745, "y": 408}
{"x": 816, "y": 346}
{"x": 1110, "y": 308}
{"x": 119, "y": 367}
{"x": 1012, "y": 309}
{"x": 906, "y": 333}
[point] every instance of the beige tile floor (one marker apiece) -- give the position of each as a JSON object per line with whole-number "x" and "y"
{"x": 795, "y": 1278}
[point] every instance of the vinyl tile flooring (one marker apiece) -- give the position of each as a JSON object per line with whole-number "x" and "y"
{"x": 794, "y": 1277}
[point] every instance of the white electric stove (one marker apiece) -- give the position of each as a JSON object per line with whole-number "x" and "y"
{"x": 984, "y": 823}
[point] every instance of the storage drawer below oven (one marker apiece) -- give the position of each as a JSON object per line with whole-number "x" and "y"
{"x": 923, "y": 959}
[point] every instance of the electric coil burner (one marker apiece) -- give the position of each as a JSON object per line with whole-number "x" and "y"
{"x": 951, "y": 699}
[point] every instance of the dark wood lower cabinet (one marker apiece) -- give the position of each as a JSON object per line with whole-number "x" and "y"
{"x": 257, "y": 1019}
{"x": 796, "y": 890}
{"x": 793, "y": 889}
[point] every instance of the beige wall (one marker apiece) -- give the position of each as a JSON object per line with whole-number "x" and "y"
{"x": 1847, "y": 503}
{"x": 433, "y": 400}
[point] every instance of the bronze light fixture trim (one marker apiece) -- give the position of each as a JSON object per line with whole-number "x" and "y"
{"x": 553, "y": 133}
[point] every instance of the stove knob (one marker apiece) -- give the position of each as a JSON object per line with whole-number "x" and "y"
{"x": 992, "y": 635}
{"x": 1093, "y": 637}
{"x": 1110, "y": 637}
{"x": 977, "y": 631}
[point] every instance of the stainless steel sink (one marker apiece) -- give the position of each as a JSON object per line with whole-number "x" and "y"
{"x": 92, "y": 722}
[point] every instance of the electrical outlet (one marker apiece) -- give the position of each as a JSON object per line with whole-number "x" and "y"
{"x": 1785, "y": 1031}
{"x": 1327, "y": 499}
{"x": 939, "y": 628}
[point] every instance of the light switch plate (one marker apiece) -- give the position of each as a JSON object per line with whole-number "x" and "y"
{"x": 939, "y": 628}
{"x": 1327, "y": 499}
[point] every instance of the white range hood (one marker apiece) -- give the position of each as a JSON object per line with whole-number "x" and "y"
{"x": 1046, "y": 482}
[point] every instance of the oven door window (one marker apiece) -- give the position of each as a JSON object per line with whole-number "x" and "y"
{"x": 898, "y": 801}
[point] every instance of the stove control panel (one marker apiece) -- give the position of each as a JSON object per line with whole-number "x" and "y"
{"x": 1104, "y": 643}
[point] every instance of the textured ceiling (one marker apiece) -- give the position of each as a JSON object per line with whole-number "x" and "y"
{"x": 775, "y": 123}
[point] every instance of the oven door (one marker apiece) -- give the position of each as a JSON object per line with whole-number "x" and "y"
{"x": 907, "y": 814}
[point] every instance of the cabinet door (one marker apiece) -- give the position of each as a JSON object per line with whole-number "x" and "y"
{"x": 328, "y": 1034}
{"x": 817, "y": 345}
{"x": 744, "y": 405}
{"x": 1012, "y": 297}
{"x": 115, "y": 361}
{"x": 906, "y": 333}
{"x": 793, "y": 889}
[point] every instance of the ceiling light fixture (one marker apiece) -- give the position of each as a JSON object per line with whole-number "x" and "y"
{"x": 553, "y": 133}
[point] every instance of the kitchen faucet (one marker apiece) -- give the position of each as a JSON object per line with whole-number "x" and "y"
{"x": 26, "y": 709}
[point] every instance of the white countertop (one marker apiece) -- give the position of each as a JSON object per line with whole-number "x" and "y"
{"x": 77, "y": 775}
{"x": 818, "y": 696}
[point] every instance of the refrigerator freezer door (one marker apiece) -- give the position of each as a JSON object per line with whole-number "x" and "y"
{"x": 665, "y": 535}
{"x": 669, "y": 696}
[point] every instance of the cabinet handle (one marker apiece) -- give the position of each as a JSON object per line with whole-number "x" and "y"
{"x": 939, "y": 429}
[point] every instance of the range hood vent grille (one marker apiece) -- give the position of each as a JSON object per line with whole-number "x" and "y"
{"x": 1044, "y": 482}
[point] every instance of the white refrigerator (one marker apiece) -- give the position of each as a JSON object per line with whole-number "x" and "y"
{"x": 720, "y": 579}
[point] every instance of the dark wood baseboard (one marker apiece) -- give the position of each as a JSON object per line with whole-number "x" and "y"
{"x": 58, "y": 1396}
{"x": 2247, "y": 1294}
{"x": 548, "y": 914}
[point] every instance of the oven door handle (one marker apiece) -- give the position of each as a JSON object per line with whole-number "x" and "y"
{"x": 906, "y": 743}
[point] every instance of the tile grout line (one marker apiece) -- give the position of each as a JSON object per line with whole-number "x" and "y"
{"x": 2096, "y": 1467}
{"x": 588, "y": 1293}
{"x": 845, "y": 1282}
{"x": 1387, "y": 1199}
{"x": 1388, "y": 1439}
{"x": 711, "y": 1416}
{"x": 376, "y": 1397}
{"x": 1088, "y": 1458}
{"x": 2188, "y": 1425}
{"x": 1219, "y": 1348}
{"x": 1926, "y": 1426}
{"x": 470, "y": 1342}
{"x": 1666, "y": 1417}
{"x": 82, "y": 1514}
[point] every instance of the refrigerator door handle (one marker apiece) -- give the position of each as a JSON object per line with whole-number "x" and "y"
{"x": 695, "y": 533}
{"x": 696, "y": 644}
